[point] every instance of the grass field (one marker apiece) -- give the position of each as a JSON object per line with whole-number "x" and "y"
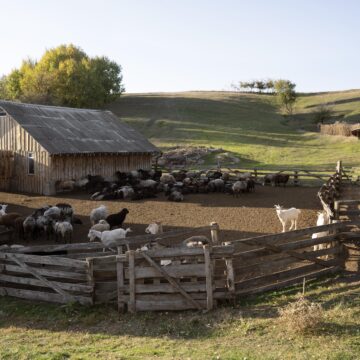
{"x": 251, "y": 330}
{"x": 248, "y": 125}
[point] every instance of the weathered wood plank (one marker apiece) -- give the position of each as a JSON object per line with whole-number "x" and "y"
{"x": 48, "y": 260}
{"x": 171, "y": 280}
{"x": 288, "y": 282}
{"x": 42, "y": 296}
{"x": 46, "y": 282}
{"x": 167, "y": 305}
{"x": 175, "y": 271}
{"x": 209, "y": 278}
{"x": 48, "y": 273}
{"x": 132, "y": 284}
{"x": 30, "y": 281}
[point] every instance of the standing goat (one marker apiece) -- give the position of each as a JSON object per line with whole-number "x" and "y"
{"x": 287, "y": 215}
{"x": 323, "y": 219}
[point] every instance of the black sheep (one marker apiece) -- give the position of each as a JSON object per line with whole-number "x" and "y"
{"x": 117, "y": 219}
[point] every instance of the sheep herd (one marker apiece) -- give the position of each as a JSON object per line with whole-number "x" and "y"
{"x": 143, "y": 184}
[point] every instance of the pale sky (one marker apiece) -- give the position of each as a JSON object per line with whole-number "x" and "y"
{"x": 179, "y": 45}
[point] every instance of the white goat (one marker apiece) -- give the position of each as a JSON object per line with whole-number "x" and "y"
{"x": 101, "y": 226}
{"x": 323, "y": 219}
{"x": 155, "y": 228}
{"x": 3, "y": 209}
{"x": 287, "y": 215}
{"x": 98, "y": 214}
{"x": 109, "y": 237}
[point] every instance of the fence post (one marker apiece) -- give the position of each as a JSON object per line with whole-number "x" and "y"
{"x": 132, "y": 287}
{"x": 120, "y": 281}
{"x": 90, "y": 276}
{"x": 209, "y": 278}
{"x": 255, "y": 174}
{"x": 214, "y": 233}
{"x": 339, "y": 171}
{"x": 296, "y": 178}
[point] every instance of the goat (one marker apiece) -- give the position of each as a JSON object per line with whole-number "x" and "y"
{"x": 167, "y": 179}
{"x": 101, "y": 226}
{"x": 66, "y": 210}
{"x": 117, "y": 219}
{"x": 109, "y": 237}
{"x": 155, "y": 228}
{"x": 3, "y": 209}
{"x": 29, "y": 226}
{"x": 281, "y": 179}
{"x": 286, "y": 215}
{"x": 98, "y": 214}
{"x": 323, "y": 219}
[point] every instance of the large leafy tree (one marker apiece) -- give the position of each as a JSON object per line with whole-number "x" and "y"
{"x": 66, "y": 76}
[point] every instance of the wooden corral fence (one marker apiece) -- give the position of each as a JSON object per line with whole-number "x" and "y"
{"x": 330, "y": 190}
{"x": 297, "y": 176}
{"x": 6, "y": 169}
{"x": 172, "y": 278}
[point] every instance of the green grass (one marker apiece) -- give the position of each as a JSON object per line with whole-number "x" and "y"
{"x": 250, "y": 330}
{"x": 248, "y": 125}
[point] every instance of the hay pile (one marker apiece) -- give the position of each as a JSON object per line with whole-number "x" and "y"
{"x": 338, "y": 128}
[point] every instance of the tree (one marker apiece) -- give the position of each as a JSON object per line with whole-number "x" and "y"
{"x": 260, "y": 85}
{"x": 269, "y": 85}
{"x": 285, "y": 91}
{"x": 322, "y": 113}
{"x": 67, "y": 76}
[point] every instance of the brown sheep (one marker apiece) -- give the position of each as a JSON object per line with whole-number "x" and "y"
{"x": 8, "y": 220}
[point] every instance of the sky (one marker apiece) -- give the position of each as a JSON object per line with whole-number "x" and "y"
{"x": 181, "y": 45}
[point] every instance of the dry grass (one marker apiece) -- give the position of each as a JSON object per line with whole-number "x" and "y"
{"x": 338, "y": 128}
{"x": 301, "y": 316}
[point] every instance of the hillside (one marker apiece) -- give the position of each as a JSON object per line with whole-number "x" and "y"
{"x": 248, "y": 125}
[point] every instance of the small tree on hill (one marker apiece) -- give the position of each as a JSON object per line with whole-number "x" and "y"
{"x": 285, "y": 91}
{"x": 322, "y": 113}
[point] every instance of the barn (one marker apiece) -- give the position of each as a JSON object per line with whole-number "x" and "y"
{"x": 40, "y": 145}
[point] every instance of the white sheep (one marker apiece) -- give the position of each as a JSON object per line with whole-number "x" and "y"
{"x": 148, "y": 183}
{"x": 243, "y": 176}
{"x": 286, "y": 215}
{"x": 101, "y": 226}
{"x": 3, "y": 209}
{"x": 155, "y": 228}
{"x": 167, "y": 179}
{"x": 54, "y": 212}
{"x": 98, "y": 214}
{"x": 216, "y": 185}
{"x": 109, "y": 237}
{"x": 323, "y": 219}
{"x": 127, "y": 191}
{"x": 238, "y": 187}
{"x": 63, "y": 229}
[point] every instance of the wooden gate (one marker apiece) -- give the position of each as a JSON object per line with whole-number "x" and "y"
{"x": 171, "y": 279}
{"x": 6, "y": 169}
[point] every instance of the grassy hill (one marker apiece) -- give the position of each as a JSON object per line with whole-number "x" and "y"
{"x": 248, "y": 125}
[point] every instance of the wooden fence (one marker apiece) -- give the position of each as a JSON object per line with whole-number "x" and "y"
{"x": 172, "y": 278}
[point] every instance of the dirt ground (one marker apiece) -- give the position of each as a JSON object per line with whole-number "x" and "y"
{"x": 249, "y": 215}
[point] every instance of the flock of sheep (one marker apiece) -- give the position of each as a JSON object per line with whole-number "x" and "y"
{"x": 142, "y": 184}
{"x": 57, "y": 222}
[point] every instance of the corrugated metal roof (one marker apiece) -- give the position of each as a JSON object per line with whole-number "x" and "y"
{"x": 63, "y": 130}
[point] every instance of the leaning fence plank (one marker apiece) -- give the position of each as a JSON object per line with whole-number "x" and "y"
{"x": 120, "y": 282}
{"x": 172, "y": 281}
{"x": 132, "y": 284}
{"x": 46, "y": 282}
{"x": 209, "y": 279}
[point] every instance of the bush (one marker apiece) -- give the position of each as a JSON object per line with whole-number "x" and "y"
{"x": 301, "y": 316}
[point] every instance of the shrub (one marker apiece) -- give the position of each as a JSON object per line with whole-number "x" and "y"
{"x": 301, "y": 316}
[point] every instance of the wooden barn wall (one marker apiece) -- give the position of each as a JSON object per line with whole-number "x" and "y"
{"x": 75, "y": 167}
{"x": 14, "y": 138}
